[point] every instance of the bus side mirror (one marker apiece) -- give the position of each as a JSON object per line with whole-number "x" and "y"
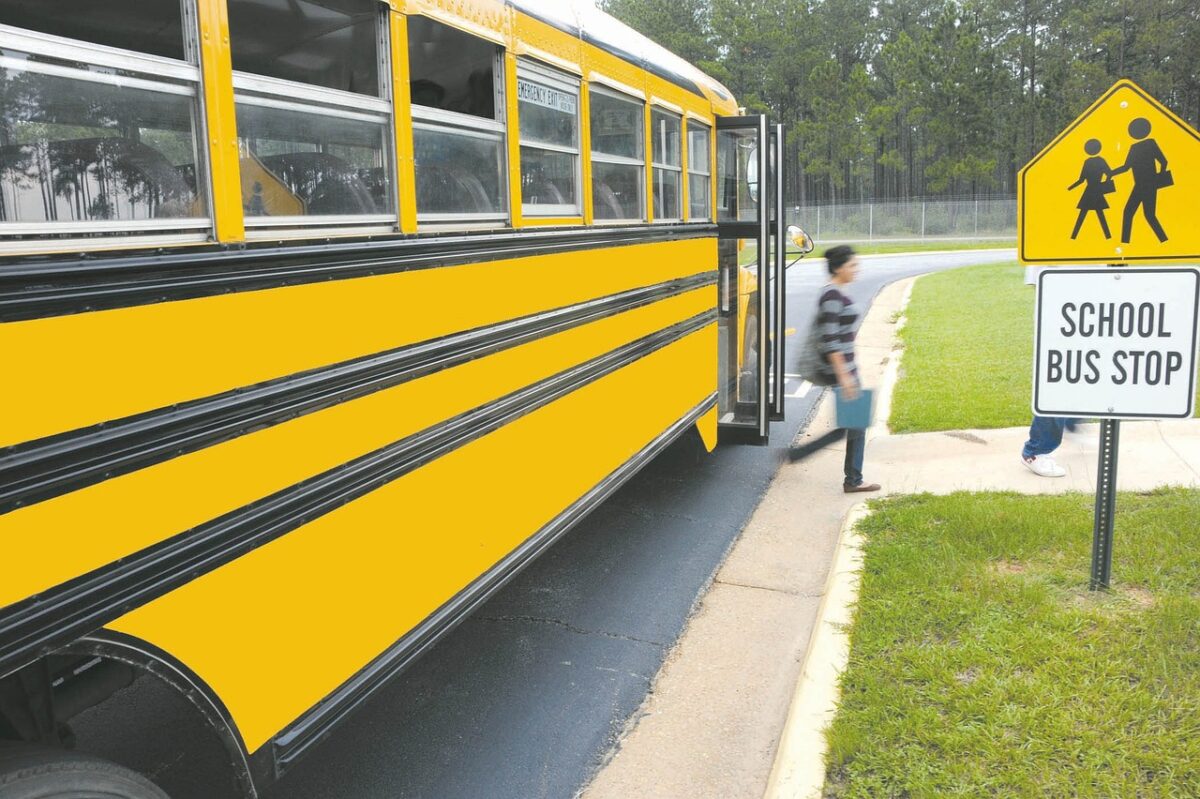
{"x": 800, "y": 240}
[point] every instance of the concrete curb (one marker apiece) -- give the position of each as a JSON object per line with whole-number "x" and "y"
{"x": 799, "y": 770}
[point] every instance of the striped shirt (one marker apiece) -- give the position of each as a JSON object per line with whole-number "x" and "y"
{"x": 836, "y": 316}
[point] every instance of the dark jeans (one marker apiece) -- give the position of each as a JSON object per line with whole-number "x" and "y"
{"x": 856, "y": 445}
{"x": 1045, "y": 435}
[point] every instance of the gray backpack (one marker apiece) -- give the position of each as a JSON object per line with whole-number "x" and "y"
{"x": 812, "y": 367}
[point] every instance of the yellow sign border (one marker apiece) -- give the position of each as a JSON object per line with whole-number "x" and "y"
{"x": 1145, "y": 95}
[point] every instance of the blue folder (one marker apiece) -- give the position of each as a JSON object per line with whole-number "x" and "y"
{"x": 856, "y": 414}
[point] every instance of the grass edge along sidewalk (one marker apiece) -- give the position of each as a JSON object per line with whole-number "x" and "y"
{"x": 980, "y": 664}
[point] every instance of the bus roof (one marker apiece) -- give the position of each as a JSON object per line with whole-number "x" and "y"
{"x": 581, "y": 18}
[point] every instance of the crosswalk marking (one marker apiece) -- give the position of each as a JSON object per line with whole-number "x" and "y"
{"x": 801, "y": 390}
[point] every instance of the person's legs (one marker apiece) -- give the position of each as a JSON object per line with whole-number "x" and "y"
{"x": 856, "y": 446}
{"x": 1045, "y": 436}
{"x": 1103, "y": 224}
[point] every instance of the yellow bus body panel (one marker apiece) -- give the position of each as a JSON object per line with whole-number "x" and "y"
{"x": 707, "y": 426}
{"x": 512, "y": 123}
{"x": 118, "y": 517}
{"x": 68, "y": 372}
{"x": 216, "y": 64}
{"x": 406, "y": 186}
{"x": 535, "y": 39}
{"x": 550, "y": 221}
{"x": 344, "y": 588}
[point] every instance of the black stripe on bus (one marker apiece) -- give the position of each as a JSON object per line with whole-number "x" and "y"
{"x": 39, "y": 470}
{"x": 295, "y": 741}
{"x": 39, "y": 624}
{"x": 34, "y": 287}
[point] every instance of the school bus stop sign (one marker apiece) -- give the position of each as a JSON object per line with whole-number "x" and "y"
{"x": 1121, "y": 184}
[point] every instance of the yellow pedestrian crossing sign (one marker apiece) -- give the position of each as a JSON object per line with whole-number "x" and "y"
{"x": 1121, "y": 184}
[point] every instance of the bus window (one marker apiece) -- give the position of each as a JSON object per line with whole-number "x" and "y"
{"x": 618, "y": 160}
{"x": 548, "y": 107}
{"x": 95, "y": 140}
{"x": 699, "y": 171}
{"x": 737, "y": 176}
{"x": 329, "y": 43}
{"x": 668, "y": 165}
{"x": 313, "y": 114}
{"x": 153, "y": 28}
{"x": 458, "y": 136}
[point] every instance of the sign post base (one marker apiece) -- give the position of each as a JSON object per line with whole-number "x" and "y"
{"x": 1106, "y": 504}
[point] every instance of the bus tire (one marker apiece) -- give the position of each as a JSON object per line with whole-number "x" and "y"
{"x": 34, "y": 772}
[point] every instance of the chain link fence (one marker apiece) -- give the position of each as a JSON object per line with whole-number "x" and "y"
{"x": 989, "y": 218}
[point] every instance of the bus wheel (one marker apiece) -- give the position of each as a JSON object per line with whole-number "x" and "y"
{"x": 33, "y": 772}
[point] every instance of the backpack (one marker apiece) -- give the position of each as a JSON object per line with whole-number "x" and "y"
{"x": 812, "y": 365}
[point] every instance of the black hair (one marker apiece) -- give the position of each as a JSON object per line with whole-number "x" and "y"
{"x": 837, "y": 257}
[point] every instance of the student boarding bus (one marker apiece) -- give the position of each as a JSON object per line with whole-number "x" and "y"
{"x": 320, "y": 319}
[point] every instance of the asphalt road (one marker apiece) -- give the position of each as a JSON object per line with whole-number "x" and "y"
{"x": 525, "y": 698}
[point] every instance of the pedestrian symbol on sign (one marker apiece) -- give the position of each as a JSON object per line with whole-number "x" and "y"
{"x": 1097, "y": 174}
{"x": 1144, "y": 159}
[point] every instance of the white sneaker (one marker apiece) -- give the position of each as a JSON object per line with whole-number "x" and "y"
{"x": 1043, "y": 466}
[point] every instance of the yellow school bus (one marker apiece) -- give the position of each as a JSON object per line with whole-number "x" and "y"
{"x": 320, "y": 319}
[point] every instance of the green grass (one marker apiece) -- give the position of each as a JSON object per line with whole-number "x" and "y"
{"x": 929, "y": 245}
{"x": 981, "y": 666}
{"x": 968, "y": 351}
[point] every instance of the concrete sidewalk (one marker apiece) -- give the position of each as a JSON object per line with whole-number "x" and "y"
{"x": 1150, "y": 454}
{"x": 712, "y": 723}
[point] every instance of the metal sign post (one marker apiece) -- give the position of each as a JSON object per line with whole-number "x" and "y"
{"x": 1106, "y": 504}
